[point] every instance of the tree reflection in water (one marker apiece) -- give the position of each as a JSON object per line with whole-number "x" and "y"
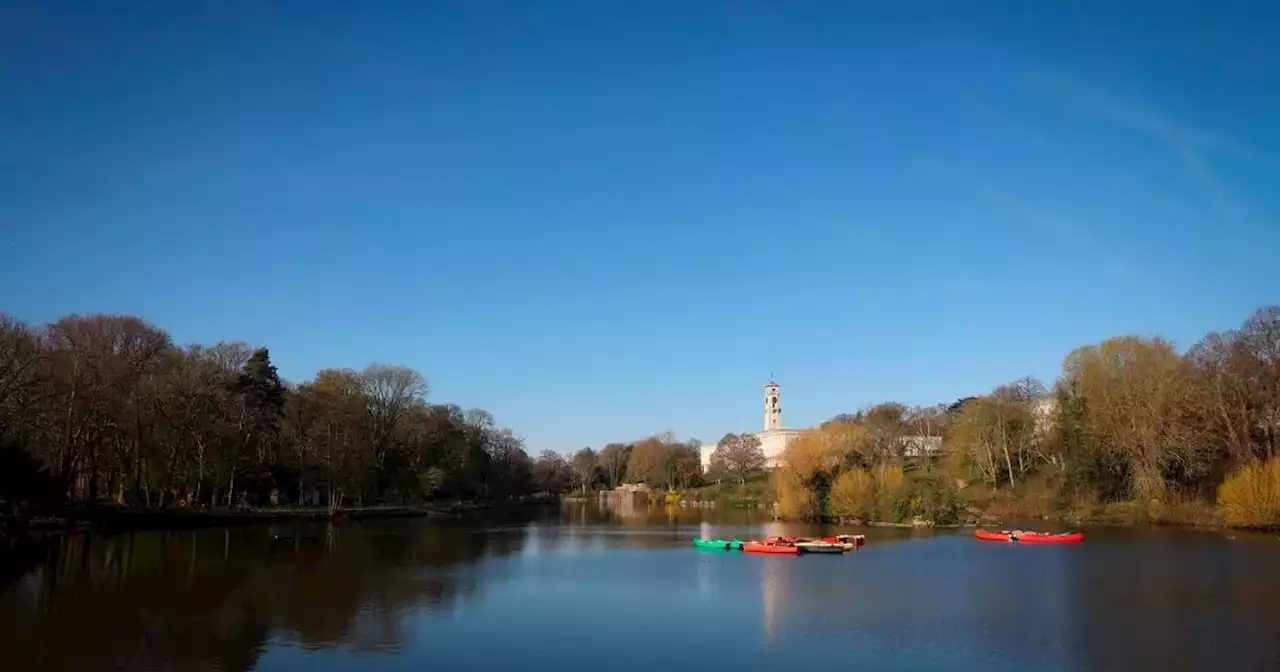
{"x": 233, "y": 599}
{"x": 211, "y": 599}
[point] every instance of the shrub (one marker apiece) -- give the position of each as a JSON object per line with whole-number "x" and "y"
{"x": 888, "y": 488}
{"x": 794, "y": 499}
{"x": 1251, "y": 496}
{"x": 929, "y": 496}
{"x": 936, "y": 498}
{"x": 853, "y": 495}
{"x": 904, "y": 508}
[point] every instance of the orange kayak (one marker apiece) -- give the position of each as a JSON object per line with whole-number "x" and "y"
{"x": 774, "y": 548}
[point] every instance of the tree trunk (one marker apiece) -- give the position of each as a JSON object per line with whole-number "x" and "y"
{"x": 168, "y": 472}
{"x": 1009, "y": 464}
{"x": 93, "y": 476}
{"x": 137, "y": 443}
{"x": 199, "y": 467}
{"x": 66, "y": 460}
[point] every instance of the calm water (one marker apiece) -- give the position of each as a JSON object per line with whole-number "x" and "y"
{"x": 579, "y": 587}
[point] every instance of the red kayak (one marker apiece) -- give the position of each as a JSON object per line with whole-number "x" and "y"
{"x": 1023, "y": 536}
{"x": 1047, "y": 538}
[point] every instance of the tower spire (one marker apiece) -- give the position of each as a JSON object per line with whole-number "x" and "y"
{"x": 772, "y": 405}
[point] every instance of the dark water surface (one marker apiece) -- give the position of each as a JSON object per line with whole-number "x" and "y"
{"x": 570, "y": 588}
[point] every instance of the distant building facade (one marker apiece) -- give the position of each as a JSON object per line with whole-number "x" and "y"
{"x": 1044, "y": 411}
{"x": 917, "y": 445}
{"x": 774, "y": 439}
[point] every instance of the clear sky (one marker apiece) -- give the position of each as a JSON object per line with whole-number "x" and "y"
{"x": 604, "y": 219}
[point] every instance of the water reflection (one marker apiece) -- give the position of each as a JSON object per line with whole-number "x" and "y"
{"x": 581, "y": 584}
{"x": 211, "y": 598}
{"x": 1180, "y": 589}
{"x": 218, "y": 598}
{"x": 772, "y": 594}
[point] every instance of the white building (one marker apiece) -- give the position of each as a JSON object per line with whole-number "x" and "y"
{"x": 774, "y": 439}
{"x": 1044, "y": 409}
{"x": 917, "y": 445}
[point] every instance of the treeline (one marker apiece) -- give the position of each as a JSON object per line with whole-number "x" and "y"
{"x": 106, "y": 408}
{"x": 1132, "y": 419}
{"x": 1129, "y": 420}
{"x": 660, "y": 461}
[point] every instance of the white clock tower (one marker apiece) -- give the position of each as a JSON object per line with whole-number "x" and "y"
{"x": 772, "y": 407}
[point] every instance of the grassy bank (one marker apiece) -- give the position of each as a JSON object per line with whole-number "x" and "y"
{"x": 755, "y": 492}
{"x": 1031, "y": 502}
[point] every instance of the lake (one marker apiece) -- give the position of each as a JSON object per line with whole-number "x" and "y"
{"x": 579, "y": 587}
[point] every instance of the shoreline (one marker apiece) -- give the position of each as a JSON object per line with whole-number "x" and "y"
{"x": 1124, "y": 514}
{"x": 110, "y": 519}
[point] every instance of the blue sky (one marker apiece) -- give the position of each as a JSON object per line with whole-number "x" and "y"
{"x": 604, "y": 219}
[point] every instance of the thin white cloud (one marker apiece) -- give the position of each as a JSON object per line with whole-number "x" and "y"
{"x": 1056, "y": 227}
{"x": 1138, "y": 116}
{"x": 1193, "y": 148}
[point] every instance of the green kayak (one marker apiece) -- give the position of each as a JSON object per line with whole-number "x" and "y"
{"x": 718, "y": 544}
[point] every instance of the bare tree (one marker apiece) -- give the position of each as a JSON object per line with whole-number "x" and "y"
{"x": 389, "y": 392}
{"x": 20, "y": 378}
{"x": 1227, "y": 394}
{"x": 648, "y": 461}
{"x": 586, "y": 467}
{"x": 613, "y": 458}
{"x": 228, "y": 356}
{"x": 1139, "y": 393}
{"x": 1261, "y": 336}
{"x": 552, "y": 473}
{"x": 682, "y": 465}
{"x": 738, "y": 455}
{"x": 886, "y": 424}
{"x": 927, "y": 424}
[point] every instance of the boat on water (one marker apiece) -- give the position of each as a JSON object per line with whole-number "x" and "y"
{"x": 820, "y": 547}
{"x": 718, "y": 544}
{"x": 774, "y": 546}
{"x": 849, "y": 541}
{"x": 1029, "y": 537}
{"x": 1048, "y": 538}
{"x": 797, "y": 545}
